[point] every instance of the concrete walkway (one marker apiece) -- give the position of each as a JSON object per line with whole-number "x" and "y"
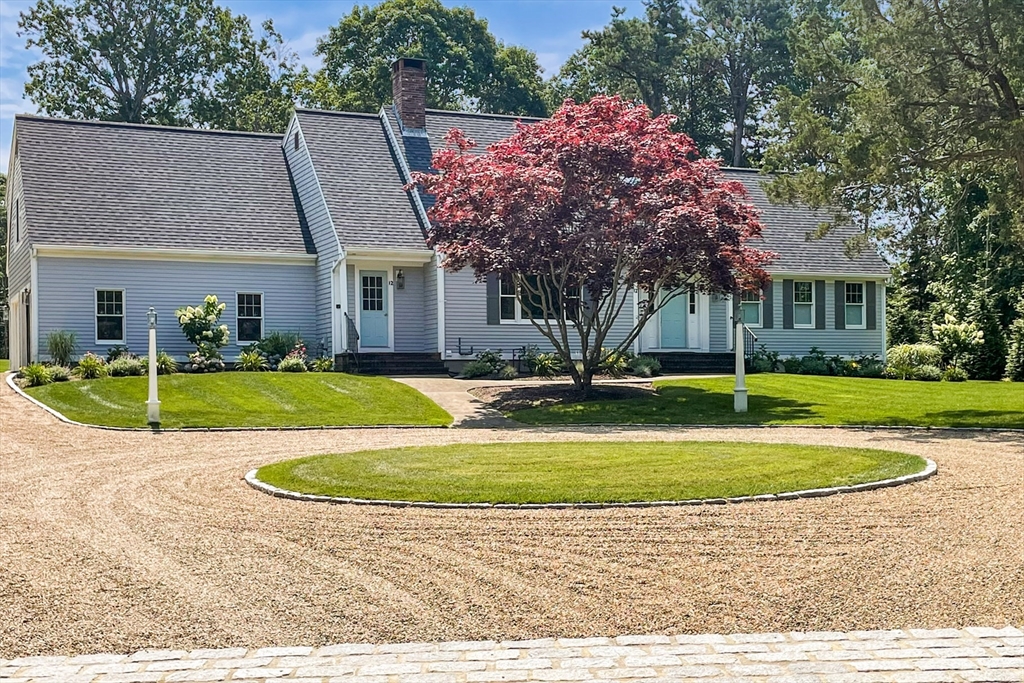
{"x": 469, "y": 411}
{"x": 901, "y": 656}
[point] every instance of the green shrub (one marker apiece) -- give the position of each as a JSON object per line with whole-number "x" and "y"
{"x": 866, "y": 366}
{"x": 986, "y": 360}
{"x": 492, "y": 359}
{"x": 199, "y": 361}
{"x": 792, "y": 365}
{"x": 477, "y": 368}
{"x": 115, "y": 352}
{"x": 817, "y": 363}
{"x": 35, "y": 374}
{"x": 547, "y": 365}
{"x": 614, "y": 363}
{"x": 292, "y": 363}
{"x": 507, "y": 372}
{"x": 277, "y": 345}
{"x": 60, "y": 373}
{"x": 764, "y": 360}
{"x": 91, "y": 366}
{"x": 928, "y": 373}
{"x": 954, "y": 374}
{"x": 61, "y": 346}
{"x": 956, "y": 340}
{"x": 645, "y": 366}
{"x": 1015, "y": 353}
{"x": 324, "y": 364}
{"x": 251, "y": 360}
{"x": 904, "y": 360}
{"x": 165, "y": 364}
{"x": 126, "y": 366}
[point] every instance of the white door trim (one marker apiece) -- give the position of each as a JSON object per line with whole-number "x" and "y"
{"x": 389, "y": 284}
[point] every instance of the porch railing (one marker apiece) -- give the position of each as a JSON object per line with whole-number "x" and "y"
{"x": 749, "y": 339}
{"x": 353, "y": 334}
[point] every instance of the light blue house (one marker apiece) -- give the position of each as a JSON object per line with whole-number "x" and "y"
{"x": 313, "y": 232}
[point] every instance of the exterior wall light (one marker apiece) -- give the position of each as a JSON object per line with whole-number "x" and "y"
{"x": 400, "y": 279}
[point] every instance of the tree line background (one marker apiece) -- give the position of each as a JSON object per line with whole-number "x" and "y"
{"x": 904, "y": 117}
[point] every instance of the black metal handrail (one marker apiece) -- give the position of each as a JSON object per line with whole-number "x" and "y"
{"x": 749, "y": 339}
{"x": 353, "y": 334}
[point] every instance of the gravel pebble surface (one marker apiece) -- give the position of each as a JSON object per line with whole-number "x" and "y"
{"x": 124, "y": 541}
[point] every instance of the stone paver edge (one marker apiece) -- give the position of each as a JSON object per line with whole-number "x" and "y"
{"x": 63, "y": 418}
{"x": 930, "y": 469}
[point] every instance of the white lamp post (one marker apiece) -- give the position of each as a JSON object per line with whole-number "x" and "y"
{"x": 739, "y": 393}
{"x": 153, "y": 404}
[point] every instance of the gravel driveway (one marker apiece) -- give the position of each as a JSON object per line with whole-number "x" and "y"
{"x": 118, "y": 541}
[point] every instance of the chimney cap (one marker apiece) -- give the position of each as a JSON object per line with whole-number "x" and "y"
{"x": 410, "y": 63}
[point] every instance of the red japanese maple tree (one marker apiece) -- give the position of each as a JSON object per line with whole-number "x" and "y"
{"x": 582, "y": 210}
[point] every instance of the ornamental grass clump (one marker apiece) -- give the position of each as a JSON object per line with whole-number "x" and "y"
{"x": 165, "y": 364}
{"x": 60, "y": 373}
{"x": 905, "y": 361}
{"x": 126, "y": 366}
{"x": 201, "y": 326}
{"x": 61, "y": 346}
{"x": 645, "y": 366}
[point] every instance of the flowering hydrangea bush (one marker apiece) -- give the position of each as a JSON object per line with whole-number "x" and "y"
{"x": 201, "y": 326}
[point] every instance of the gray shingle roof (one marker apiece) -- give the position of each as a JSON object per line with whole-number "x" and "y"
{"x": 126, "y": 185}
{"x": 785, "y": 227}
{"x": 360, "y": 180}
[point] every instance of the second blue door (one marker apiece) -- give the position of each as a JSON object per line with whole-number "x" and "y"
{"x": 373, "y": 314}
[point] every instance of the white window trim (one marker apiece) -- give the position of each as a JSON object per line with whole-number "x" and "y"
{"x": 803, "y": 326}
{"x": 863, "y": 307}
{"x": 760, "y": 310}
{"x": 263, "y": 314}
{"x": 124, "y": 316}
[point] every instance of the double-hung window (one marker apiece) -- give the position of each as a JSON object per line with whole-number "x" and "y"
{"x": 249, "y": 321}
{"x": 803, "y": 304}
{"x": 110, "y": 315}
{"x": 855, "y": 304}
{"x": 512, "y": 310}
{"x": 750, "y": 307}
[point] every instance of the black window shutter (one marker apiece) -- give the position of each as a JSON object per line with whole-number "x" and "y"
{"x": 840, "y": 304}
{"x": 819, "y": 304}
{"x": 493, "y": 299}
{"x": 870, "y": 307}
{"x": 768, "y": 307}
{"x": 787, "y": 304}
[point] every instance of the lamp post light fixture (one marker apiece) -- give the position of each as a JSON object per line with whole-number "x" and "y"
{"x": 153, "y": 404}
{"x": 739, "y": 392}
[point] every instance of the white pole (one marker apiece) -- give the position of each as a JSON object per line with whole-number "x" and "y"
{"x": 153, "y": 404}
{"x": 740, "y": 392}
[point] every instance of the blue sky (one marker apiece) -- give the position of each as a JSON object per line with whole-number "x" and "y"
{"x": 551, "y": 28}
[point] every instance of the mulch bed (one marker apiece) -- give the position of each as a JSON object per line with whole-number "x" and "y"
{"x": 508, "y": 399}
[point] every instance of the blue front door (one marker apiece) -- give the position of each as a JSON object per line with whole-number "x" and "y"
{"x": 373, "y": 313}
{"x": 673, "y": 323}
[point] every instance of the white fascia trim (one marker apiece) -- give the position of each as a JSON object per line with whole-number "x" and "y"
{"x": 396, "y": 256}
{"x": 158, "y": 254}
{"x": 316, "y": 177}
{"x": 829, "y": 276}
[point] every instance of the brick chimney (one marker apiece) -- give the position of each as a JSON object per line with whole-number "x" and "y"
{"x": 409, "y": 87}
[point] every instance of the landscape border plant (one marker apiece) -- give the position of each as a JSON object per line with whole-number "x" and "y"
{"x": 61, "y": 346}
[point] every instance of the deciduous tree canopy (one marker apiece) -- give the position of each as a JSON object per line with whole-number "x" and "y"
{"x": 583, "y": 209}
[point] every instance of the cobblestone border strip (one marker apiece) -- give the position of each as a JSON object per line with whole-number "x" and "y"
{"x": 63, "y": 418}
{"x": 930, "y": 469}
{"x": 912, "y": 655}
{"x": 852, "y": 427}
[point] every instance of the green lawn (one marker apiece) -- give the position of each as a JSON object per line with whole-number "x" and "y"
{"x": 799, "y": 399}
{"x": 584, "y": 472}
{"x": 245, "y": 399}
{"x": 5, "y": 365}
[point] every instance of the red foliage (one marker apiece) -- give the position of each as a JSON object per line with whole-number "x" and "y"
{"x": 599, "y": 188}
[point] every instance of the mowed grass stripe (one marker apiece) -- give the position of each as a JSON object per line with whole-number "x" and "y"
{"x": 801, "y": 399}
{"x": 238, "y": 399}
{"x": 584, "y": 472}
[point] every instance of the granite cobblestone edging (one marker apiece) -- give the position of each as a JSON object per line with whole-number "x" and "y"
{"x": 930, "y": 469}
{"x": 947, "y": 655}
